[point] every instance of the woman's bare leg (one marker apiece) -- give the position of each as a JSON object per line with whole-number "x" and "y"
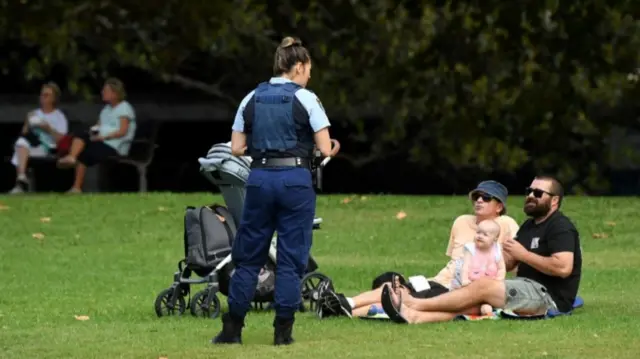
{"x": 364, "y": 310}
{"x": 22, "y": 154}
{"x": 366, "y": 299}
{"x": 77, "y": 145}
{"x": 81, "y": 169}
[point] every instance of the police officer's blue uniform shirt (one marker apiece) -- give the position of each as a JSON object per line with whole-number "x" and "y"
{"x": 317, "y": 116}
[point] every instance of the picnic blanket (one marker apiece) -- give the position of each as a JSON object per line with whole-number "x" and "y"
{"x": 377, "y": 313}
{"x": 508, "y": 314}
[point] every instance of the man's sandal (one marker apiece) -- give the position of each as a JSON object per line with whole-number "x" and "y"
{"x": 396, "y": 283}
{"x": 389, "y": 308}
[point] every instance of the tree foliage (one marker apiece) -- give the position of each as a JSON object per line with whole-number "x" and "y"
{"x": 491, "y": 85}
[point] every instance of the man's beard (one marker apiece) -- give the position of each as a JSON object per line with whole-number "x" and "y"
{"x": 536, "y": 209}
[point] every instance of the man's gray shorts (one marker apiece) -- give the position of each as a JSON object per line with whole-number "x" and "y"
{"x": 523, "y": 295}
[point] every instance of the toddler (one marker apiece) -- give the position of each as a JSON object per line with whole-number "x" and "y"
{"x": 482, "y": 258}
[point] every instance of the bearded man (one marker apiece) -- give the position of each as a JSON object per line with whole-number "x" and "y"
{"x": 548, "y": 257}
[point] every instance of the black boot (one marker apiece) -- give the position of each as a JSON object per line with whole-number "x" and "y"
{"x": 231, "y": 331}
{"x": 282, "y": 332}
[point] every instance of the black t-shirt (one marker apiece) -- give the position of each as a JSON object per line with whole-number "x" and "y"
{"x": 555, "y": 234}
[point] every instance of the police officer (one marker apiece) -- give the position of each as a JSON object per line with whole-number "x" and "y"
{"x": 277, "y": 124}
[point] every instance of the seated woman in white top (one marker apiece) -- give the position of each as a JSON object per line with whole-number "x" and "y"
{"x": 111, "y": 137}
{"x": 42, "y": 129}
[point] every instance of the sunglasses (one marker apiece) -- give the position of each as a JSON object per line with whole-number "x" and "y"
{"x": 537, "y": 193}
{"x": 485, "y": 197}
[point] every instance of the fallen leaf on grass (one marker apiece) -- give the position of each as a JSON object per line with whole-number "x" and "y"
{"x": 81, "y": 317}
{"x": 45, "y": 219}
{"x": 401, "y": 215}
{"x": 3, "y": 207}
{"x": 163, "y": 358}
{"x": 38, "y": 236}
{"x": 600, "y": 235}
{"x": 610, "y": 223}
{"x": 347, "y": 200}
{"x": 161, "y": 209}
{"x": 363, "y": 198}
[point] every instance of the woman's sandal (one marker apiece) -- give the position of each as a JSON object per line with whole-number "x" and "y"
{"x": 389, "y": 308}
{"x": 66, "y": 162}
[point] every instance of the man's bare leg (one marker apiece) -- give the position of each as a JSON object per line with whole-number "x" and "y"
{"x": 364, "y": 310}
{"x": 413, "y": 316}
{"x": 483, "y": 291}
{"x": 359, "y": 305}
{"x": 416, "y": 317}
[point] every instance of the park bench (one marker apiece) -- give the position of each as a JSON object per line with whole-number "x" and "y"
{"x": 140, "y": 156}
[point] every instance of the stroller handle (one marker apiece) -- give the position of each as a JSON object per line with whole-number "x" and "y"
{"x": 317, "y": 171}
{"x": 325, "y": 161}
{"x": 335, "y": 149}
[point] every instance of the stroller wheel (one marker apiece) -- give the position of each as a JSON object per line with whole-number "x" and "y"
{"x": 166, "y": 305}
{"x": 309, "y": 290}
{"x": 206, "y": 304}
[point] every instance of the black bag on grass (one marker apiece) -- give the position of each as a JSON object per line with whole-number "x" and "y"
{"x": 387, "y": 277}
{"x": 209, "y": 232}
{"x": 435, "y": 290}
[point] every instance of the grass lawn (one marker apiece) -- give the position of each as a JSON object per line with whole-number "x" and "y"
{"x": 108, "y": 256}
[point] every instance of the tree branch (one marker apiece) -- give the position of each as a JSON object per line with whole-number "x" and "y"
{"x": 213, "y": 90}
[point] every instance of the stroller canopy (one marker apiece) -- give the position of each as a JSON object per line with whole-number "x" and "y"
{"x": 219, "y": 159}
{"x": 229, "y": 173}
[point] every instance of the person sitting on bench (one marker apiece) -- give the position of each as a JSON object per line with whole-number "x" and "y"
{"x": 489, "y": 200}
{"x": 42, "y": 130}
{"x": 111, "y": 137}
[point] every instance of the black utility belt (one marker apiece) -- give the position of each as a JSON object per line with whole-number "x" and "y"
{"x": 281, "y": 162}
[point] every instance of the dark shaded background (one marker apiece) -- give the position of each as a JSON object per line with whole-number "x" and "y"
{"x": 461, "y": 91}
{"x": 175, "y": 167}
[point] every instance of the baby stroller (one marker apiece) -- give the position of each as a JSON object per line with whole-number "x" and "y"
{"x": 230, "y": 173}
